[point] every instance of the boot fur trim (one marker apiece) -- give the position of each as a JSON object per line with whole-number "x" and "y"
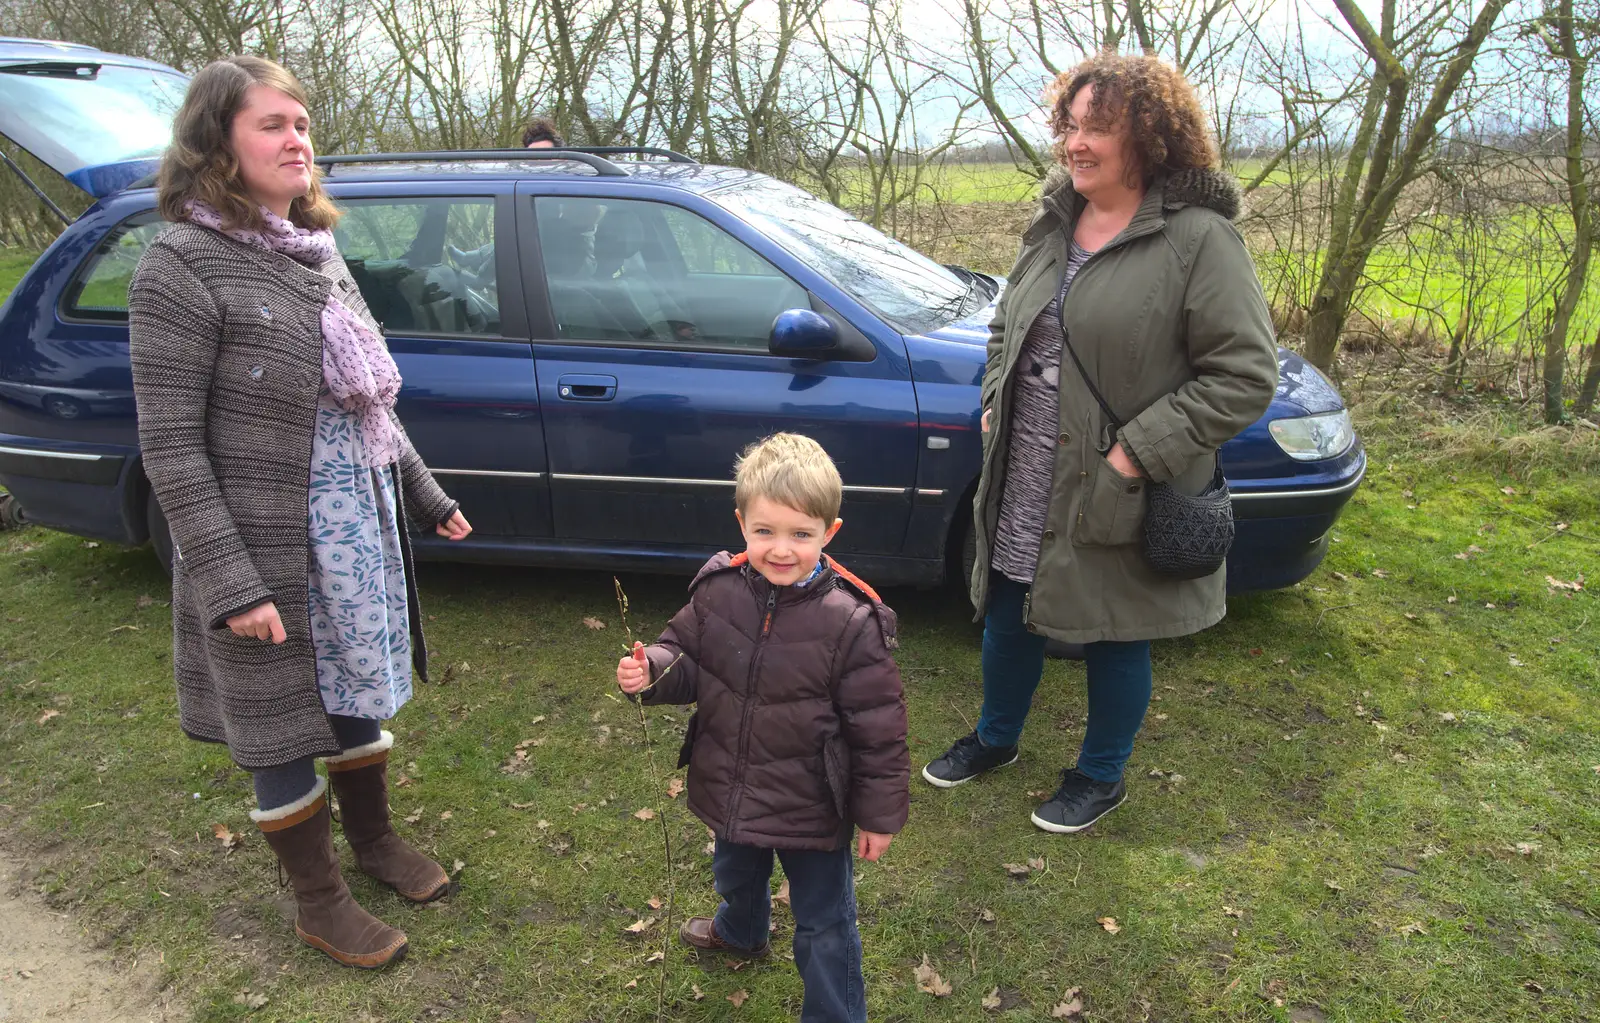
{"x": 302, "y": 809}
{"x": 363, "y": 756}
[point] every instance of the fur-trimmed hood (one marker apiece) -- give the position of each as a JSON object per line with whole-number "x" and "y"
{"x": 1211, "y": 189}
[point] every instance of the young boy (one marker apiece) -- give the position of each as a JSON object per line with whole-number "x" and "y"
{"x": 799, "y": 736}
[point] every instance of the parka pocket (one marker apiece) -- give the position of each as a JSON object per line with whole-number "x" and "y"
{"x": 686, "y": 751}
{"x": 1112, "y": 511}
{"x": 836, "y": 772}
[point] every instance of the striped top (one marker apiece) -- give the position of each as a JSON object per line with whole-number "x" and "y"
{"x": 1035, "y": 424}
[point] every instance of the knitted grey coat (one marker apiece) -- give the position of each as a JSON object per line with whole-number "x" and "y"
{"x": 226, "y": 342}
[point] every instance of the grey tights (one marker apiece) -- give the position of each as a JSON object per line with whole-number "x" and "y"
{"x": 282, "y": 785}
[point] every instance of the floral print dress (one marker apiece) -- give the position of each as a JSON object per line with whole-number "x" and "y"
{"x": 359, "y": 619}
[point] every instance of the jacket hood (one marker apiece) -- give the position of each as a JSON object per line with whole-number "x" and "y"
{"x": 1210, "y": 189}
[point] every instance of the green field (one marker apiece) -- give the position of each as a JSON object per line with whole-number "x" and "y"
{"x": 1374, "y": 796}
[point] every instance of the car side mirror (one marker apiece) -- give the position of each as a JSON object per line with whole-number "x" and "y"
{"x": 803, "y": 334}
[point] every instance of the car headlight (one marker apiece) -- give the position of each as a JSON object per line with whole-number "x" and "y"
{"x": 1312, "y": 438}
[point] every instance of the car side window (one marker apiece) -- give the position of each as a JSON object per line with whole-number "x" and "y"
{"x": 100, "y": 291}
{"x": 649, "y": 273}
{"x": 424, "y": 266}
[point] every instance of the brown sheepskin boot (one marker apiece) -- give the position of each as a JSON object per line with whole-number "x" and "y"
{"x": 328, "y": 918}
{"x": 360, "y": 778}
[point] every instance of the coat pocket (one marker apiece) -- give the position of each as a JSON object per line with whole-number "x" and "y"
{"x": 1113, "y": 509}
{"x": 836, "y": 772}
{"x": 687, "y": 749}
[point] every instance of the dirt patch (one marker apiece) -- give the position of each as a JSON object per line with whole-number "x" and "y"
{"x": 50, "y": 971}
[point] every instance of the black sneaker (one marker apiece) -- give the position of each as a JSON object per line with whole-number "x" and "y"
{"x": 1079, "y": 802}
{"x": 967, "y": 759}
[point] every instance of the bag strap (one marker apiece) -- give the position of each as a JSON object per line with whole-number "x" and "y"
{"x": 1217, "y": 476}
{"x": 1066, "y": 342}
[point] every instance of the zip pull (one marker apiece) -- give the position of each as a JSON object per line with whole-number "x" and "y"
{"x": 772, "y": 603}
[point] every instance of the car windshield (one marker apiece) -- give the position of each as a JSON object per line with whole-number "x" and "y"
{"x": 88, "y": 115}
{"x": 909, "y": 290}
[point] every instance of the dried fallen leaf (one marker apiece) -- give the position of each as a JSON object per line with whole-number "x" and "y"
{"x": 739, "y": 997}
{"x": 523, "y": 806}
{"x": 594, "y": 623}
{"x": 645, "y": 814}
{"x": 447, "y": 815}
{"x": 641, "y": 925}
{"x": 1341, "y": 577}
{"x": 1070, "y": 1006}
{"x": 1509, "y": 491}
{"x": 655, "y": 957}
{"x": 228, "y": 839}
{"x": 1109, "y": 923}
{"x": 783, "y": 893}
{"x": 986, "y": 915}
{"x": 1533, "y": 987}
{"x": 1334, "y": 885}
{"x": 929, "y": 982}
{"x": 1017, "y": 869}
{"x": 457, "y": 867}
{"x": 1559, "y": 584}
{"x": 1237, "y": 914}
{"x": 675, "y": 788}
{"x": 1447, "y": 717}
{"x": 630, "y": 985}
{"x": 537, "y": 720}
{"x": 1256, "y": 651}
{"x": 1379, "y": 573}
{"x": 1528, "y": 848}
{"x": 1037, "y": 863}
{"x": 992, "y": 1000}
{"x": 414, "y": 816}
{"x": 698, "y": 994}
{"x": 47, "y": 715}
{"x": 654, "y": 903}
{"x": 250, "y": 999}
{"x": 1411, "y": 928}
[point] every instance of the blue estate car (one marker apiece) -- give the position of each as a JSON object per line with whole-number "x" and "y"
{"x": 587, "y": 339}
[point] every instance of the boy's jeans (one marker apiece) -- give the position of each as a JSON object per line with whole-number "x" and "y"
{"x": 822, "y": 893}
{"x": 1013, "y": 661}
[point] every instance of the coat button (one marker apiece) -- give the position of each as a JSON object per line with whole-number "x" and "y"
{"x": 256, "y": 372}
{"x": 1084, "y": 474}
{"x": 1133, "y": 488}
{"x": 1049, "y": 535}
{"x": 266, "y": 314}
{"x": 1063, "y": 438}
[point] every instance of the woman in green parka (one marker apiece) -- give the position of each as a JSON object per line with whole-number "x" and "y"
{"x": 1134, "y": 262}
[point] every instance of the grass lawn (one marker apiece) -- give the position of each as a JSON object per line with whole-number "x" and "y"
{"x": 1375, "y": 796}
{"x": 13, "y": 264}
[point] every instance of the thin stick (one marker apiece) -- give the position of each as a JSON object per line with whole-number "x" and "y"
{"x": 666, "y": 832}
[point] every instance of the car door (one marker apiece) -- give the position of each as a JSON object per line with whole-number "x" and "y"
{"x": 433, "y": 270}
{"x": 654, "y": 375}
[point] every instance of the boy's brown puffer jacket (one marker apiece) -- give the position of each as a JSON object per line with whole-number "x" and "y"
{"x": 800, "y": 732}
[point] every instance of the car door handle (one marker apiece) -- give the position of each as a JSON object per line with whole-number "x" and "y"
{"x": 584, "y": 387}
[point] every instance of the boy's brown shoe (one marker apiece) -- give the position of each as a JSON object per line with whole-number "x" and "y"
{"x": 700, "y": 932}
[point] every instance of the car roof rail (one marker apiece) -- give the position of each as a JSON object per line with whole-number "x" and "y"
{"x": 603, "y": 167}
{"x": 671, "y": 156}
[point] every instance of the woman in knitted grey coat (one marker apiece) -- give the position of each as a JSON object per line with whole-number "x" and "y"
{"x": 267, "y": 431}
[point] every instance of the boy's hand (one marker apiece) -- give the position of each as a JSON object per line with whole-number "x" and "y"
{"x": 870, "y": 845}
{"x": 633, "y": 671}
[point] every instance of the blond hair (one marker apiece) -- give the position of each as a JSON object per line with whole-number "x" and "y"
{"x": 792, "y": 470}
{"x": 200, "y": 166}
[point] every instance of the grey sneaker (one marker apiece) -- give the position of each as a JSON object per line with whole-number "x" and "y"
{"x": 967, "y": 759}
{"x": 1079, "y": 802}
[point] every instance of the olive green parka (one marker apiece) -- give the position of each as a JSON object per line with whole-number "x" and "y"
{"x": 1170, "y": 320}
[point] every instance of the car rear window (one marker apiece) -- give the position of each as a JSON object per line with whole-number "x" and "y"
{"x": 100, "y": 290}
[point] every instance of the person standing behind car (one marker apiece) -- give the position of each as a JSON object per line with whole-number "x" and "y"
{"x": 1132, "y": 264}
{"x": 266, "y": 425}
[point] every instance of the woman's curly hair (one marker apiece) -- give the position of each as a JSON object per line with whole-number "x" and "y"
{"x": 199, "y": 165}
{"x": 1167, "y": 129}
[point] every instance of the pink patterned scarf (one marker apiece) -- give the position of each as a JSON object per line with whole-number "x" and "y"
{"x": 356, "y": 366}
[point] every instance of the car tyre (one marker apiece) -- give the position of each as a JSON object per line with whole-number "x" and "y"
{"x": 11, "y": 514}
{"x": 160, "y": 533}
